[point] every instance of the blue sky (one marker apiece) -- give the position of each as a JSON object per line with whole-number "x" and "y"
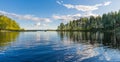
{"x": 48, "y": 14}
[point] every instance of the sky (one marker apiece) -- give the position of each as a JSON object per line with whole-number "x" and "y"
{"x": 48, "y": 14}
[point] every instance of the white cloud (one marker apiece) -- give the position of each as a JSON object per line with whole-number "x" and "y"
{"x": 59, "y": 2}
{"x": 85, "y": 8}
{"x": 66, "y": 17}
{"x": 81, "y": 7}
{"x": 45, "y": 25}
{"x": 107, "y": 3}
{"x": 72, "y": 17}
{"x": 68, "y": 6}
{"x": 87, "y": 14}
{"x": 40, "y": 25}
{"x": 25, "y": 17}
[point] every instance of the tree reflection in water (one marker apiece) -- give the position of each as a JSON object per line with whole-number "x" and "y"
{"x": 90, "y": 41}
{"x": 108, "y": 39}
{"x": 7, "y": 37}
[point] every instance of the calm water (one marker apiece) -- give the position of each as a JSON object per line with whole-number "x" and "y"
{"x": 59, "y": 47}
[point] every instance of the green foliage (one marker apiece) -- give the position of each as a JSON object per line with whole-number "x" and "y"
{"x": 61, "y": 27}
{"x": 108, "y": 21}
{"x": 8, "y": 24}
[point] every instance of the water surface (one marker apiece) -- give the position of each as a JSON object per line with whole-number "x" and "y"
{"x": 59, "y": 47}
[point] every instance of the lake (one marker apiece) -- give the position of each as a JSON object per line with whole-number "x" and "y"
{"x": 52, "y": 46}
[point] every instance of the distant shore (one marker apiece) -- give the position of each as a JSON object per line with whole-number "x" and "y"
{"x": 89, "y": 30}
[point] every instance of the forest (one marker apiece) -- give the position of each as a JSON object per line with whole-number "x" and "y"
{"x": 107, "y": 21}
{"x": 8, "y": 24}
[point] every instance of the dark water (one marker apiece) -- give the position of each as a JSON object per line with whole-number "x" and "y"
{"x": 59, "y": 47}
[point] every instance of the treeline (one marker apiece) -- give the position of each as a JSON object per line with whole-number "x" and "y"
{"x": 107, "y": 21}
{"x": 8, "y": 24}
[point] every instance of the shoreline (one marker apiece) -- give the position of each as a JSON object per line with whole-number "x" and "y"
{"x": 58, "y": 30}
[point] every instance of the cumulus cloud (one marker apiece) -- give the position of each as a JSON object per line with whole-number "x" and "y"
{"x": 25, "y": 17}
{"x": 66, "y": 17}
{"x": 85, "y": 8}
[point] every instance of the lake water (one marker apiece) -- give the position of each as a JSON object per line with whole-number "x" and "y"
{"x": 59, "y": 46}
